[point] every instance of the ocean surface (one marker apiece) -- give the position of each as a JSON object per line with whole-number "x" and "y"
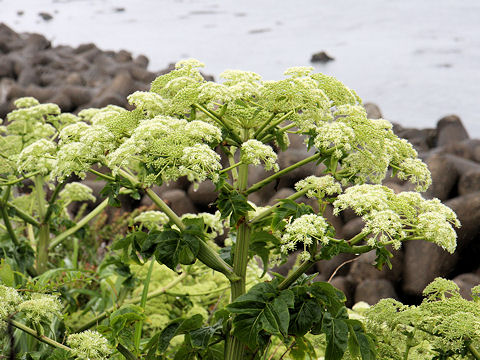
{"x": 418, "y": 60}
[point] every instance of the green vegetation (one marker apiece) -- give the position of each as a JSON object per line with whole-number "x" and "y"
{"x": 203, "y": 302}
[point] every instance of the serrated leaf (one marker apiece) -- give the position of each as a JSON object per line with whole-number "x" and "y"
{"x": 336, "y": 331}
{"x": 302, "y": 348}
{"x": 383, "y": 257}
{"x": 332, "y": 298}
{"x": 260, "y": 242}
{"x": 234, "y": 205}
{"x": 176, "y": 327}
{"x": 125, "y": 316}
{"x": 304, "y": 316}
{"x": 360, "y": 343}
{"x": 262, "y": 308}
{"x": 168, "y": 247}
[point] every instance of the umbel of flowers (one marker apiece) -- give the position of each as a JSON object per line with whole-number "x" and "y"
{"x": 186, "y": 126}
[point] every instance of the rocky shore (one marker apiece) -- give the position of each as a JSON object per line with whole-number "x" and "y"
{"x": 86, "y": 76}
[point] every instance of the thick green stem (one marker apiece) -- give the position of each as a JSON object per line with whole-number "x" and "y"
{"x": 290, "y": 279}
{"x": 235, "y": 349}
{"x": 275, "y": 176}
{"x": 473, "y": 351}
{"x": 79, "y": 225}
{"x": 44, "y": 230}
{"x": 16, "y": 181}
{"x": 103, "y": 176}
{"x": 205, "y": 254}
{"x": 51, "y": 202}
{"x": 6, "y": 220}
{"x": 264, "y": 125}
{"x": 39, "y": 337}
{"x": 143, "y": 303}
{"x": 272, "y": 208}
{"x": 125, "y": 352}
{"x": 219, "y": 120}
{"x": 275, "y": 123}
{"x": 270, "y": 137}
{"x": 136, "y": 300}
{"x": 22, "y": 214}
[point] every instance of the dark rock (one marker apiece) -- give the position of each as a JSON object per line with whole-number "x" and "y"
{"x": 467, "y": 149}
{"x": 291, "y": 157}
{"x": 28, "y": 76}
{"x": 142, "y": 61}
{"x": 425, "y": 261}
{"x": 78, "y": 95}
{"x": 373, "y": 111}
{"x": 346, "y": 286}
{"x": 75, "y": 79}
{"x": 450, "y": 130}
{"x": 469, "y": 182}
{"x": 467, "y": 208}
{"x": 35, "y": 43}
{"x": 108, "y": 99}
{"x": 204, "y": 196}
{"x": 20, "y": 13}
{"x": 280, "y": 194}
{"x": 140, "y": 74}
{"x": 42, "y": 94}
{"x": 466, "y": 282}
{"x": 352, "y": 228}
{"x": 63, "y": 101}
{"x": 341, "y": 263}
{"x": 45, "y": 16}
{"x": 123, "y": 56}
{"x": 363, "y": 268}
{"x": 322, "y": 57}
{"x": 179, "y": 202}
{"x": 444, "y": 176}
{"x": 373, "y": 290}
{"x": 122, "y": 84}
{"x": 6, "y": 67}
{"x": 84, "y": 48}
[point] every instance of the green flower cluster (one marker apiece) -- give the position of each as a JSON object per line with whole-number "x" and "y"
{"x": 391, "y": 218}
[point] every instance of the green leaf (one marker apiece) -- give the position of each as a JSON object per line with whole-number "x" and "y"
{"x": 7, "y": 275}
{"x": 262, "y": 308}
{"x": 176, "y": 327}
{"x": 234, "y": 205}
{"x": 332, "y": 298}
{"x": 260, "y": 244}
{"x": 302, "y": 348}
{"x": 287, "y": 209}
{"x": 360, "y": 343}
{"x": 383, "y": 257}
{"x": 168, "y": 247}
{"x": 337, "y": 336}
{"x": 200, "y": 338}
{"x": 125, "y": 316}
{"x": 304, "y": 315}
{"x": 111, "y": 190}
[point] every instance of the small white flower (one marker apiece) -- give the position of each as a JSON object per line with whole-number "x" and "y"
{"x": 306, "y": 229}
{"x": 76, "y": 192}
{"x": 319, "y": 187}
{"x": 152, "y": 219}
{"x": 89, "y": 345}
{"x": 9, "y": 300}
{"x": 41, "y": 307}
{"x": 254, "y": 152}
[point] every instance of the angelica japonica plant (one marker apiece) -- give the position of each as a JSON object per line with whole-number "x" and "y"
{"x": 188, "y": 127}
